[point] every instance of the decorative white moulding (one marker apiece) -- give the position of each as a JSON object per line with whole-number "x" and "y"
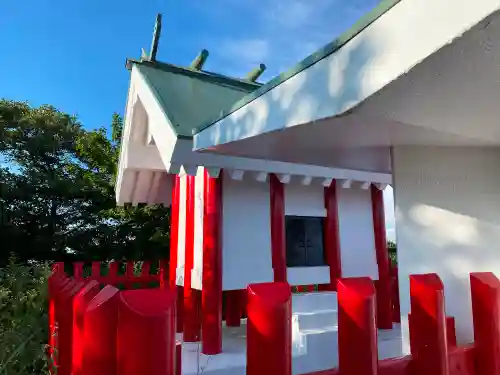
{"x": 190, "y": 170}
{"x": 237, "y": 174}
{"x": 327, "y": 182}
{"x": 345, "y": 184}
{"x": 261, "y": 176}
{"x": 306, "y": 180}
{"x": 365, "y": 185}
{"x": 213, "y": 172}
{"x": 284, "y": 178}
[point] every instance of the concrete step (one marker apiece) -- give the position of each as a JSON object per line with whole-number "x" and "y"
{"x": 312, "y": 302}
{"x": 316, "y": 320}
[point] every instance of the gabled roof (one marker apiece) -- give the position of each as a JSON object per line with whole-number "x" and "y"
{"x": 317, "y": 56}
{"x": 191, "y": 97}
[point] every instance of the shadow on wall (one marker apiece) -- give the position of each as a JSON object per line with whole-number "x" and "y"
{"x": 333, "y": 85}
{"x": 448, "y": 220}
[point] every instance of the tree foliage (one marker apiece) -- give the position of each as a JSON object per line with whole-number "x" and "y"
{"x": 57, "y": 191}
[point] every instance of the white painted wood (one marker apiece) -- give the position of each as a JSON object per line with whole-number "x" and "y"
{"x": 303, "y": 200}
{"x": 308, "y": 275}
{"x": 357, "y": 244}
{"x": 197, "y": 272}
{"x": 246, "y": 233}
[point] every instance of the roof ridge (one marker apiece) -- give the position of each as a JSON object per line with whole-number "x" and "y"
{"x": 216, "y": 78}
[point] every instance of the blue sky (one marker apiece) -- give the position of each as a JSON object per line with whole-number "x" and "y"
{"x": 71, "y": 54}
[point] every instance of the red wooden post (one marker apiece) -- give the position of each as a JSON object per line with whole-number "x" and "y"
{"x": 233, "y": 307}
{"x": 96, "y": 271}
{"x": 428, "y": 341}
{"x": 269, "y": 329}
{"x": 80, "y": 302}
{"x": 129, "y": 274}
{"x": 212, "y": 266}
{"x": 178, "y": 358}
{"x": 485, "y": 291}
{"x": 277, "y": 206}
{"x": 112, "y": 277}
{"x": 331, "y": 235}
{"x": 384, "y": 292}
{"x": 192, "y": 298}
{"x": 396, "y": 310}
{"x": 78, "y": 270}
{"x": 146, "y": 332}
{"x": 357, "y": 343}
{"x": 99, "y": 333}
{"x": 56, "y": 283}
{"x": 65, "y": 326}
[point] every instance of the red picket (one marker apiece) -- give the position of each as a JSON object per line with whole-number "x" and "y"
{"x": 428, "y": 341}
{"x": 358, "y": 353}
{"x": 485, "y": 292}
{"x": 96, "y": 271}
{"x": 80, "y": 302}
{"x": 269, "y": 329}
{"x": 99, "y": 333}
{"x": 56, "y": 283}
{"x": 178, "y": 358}
{"x": 146, "y": 332}
{"x": 78, "y": 270}
{"x": 64, "y": 317}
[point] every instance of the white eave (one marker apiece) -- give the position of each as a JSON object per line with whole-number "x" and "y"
{"x": 424, "y": 72}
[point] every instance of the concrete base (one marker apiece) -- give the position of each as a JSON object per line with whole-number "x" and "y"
{"x": 314, "y": 341}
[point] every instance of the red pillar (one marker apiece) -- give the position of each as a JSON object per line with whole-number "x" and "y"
{"x": 428, "y": 341}
{"x": 384, "y": 290}
{"x": 192, "y": 318}
{"x": 269, "y": 329}
{"x": 146, "y": 332}
{"x": 99, "y": 333}
{"x": 212, "y": 266}
{"x": 174, "y": 246}
{"x": 485, "y": 292}
{"x": 234, "y": 307}
{"x": 278, "y": 244}
{"x": 331, "y": 235}
{"x": 358, "y": 352}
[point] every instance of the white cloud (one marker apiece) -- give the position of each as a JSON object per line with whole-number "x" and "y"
{"x": 247, "y": 51}
{"x": 390, "y": 221}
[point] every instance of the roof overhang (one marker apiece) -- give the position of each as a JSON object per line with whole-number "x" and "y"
{"x": 422, "y": 73}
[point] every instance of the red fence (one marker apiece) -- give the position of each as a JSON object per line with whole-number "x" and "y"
{"x": 106, "y": 331}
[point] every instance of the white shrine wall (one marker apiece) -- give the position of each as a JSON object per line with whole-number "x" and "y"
{"x": 357, "y": 242}
{"x": 447, "y": 203}
{"x": 197, "y": 272}
{"x": 246, "y": 228}
{"x": 308, "y": 200}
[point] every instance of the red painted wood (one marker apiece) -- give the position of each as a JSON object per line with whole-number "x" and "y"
{"x": 451, "y": 335}
{"x": 146, "y": 332}
{"x": 461, "y": 361}
{"x": 80, "y": 303}
{"x": 64, "y": 318}
{"x": 428, "y": 341}
{"x": 178, "y": 358}
{"x": 233, "y": 311}
{"x": 192, "y": 318}
{"x": 358, "y": 353}
{"x": 56, "y": 284}
{"x": 485, "y": 292}
{"x": 396, "y": 309}
{"x": 212, "y": 266}
{"x": 384, "y": 292}
{"x": 269, "y": 330}
{"x": 99, "y": 333}
{"x": 331, "y": 235}
{"x": 278, "y": 244}
{"x": 174, "y": 230}
{"x": 78, "y": 270}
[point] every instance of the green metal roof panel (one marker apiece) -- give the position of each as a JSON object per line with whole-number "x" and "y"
{"x": 190, "y": 98}
{"x": 324, "y": 52}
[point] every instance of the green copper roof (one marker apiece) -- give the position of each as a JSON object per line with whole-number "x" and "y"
{"x": 326, "y": 51}
{"x": 191, "y": 97}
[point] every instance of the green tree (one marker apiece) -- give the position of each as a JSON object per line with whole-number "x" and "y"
{"x": 58, "y": 196}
